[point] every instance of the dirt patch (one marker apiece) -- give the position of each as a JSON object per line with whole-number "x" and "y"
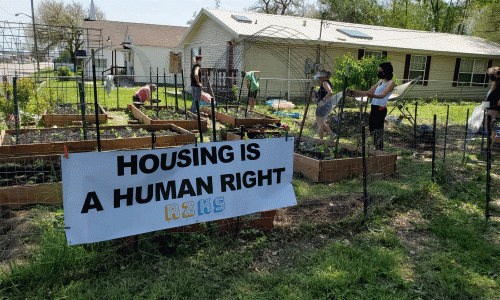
{"x": 320, "y": 211}
{"x": 77, "y": 134}
{"x": 16, "y": 231}
{"x": 71, "y": 109}
{"x": 324, "y": 152}
{"x": 165, "y": 114}
{"x": 240, "y": 114}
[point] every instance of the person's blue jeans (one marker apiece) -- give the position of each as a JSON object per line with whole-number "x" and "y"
{"x": 196, "y": 98}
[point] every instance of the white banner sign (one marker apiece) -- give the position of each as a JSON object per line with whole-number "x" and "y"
{"x": 108, "y": 195}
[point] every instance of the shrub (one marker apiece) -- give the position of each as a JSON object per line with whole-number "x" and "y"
{"x": 64, "y": 73}
{"x": 25, "y": 92}
{"x": 362, "y": 73}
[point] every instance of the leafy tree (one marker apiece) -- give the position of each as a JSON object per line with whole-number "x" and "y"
{"x": 65, "y": 23}
{"x": 282, "y": 7}
{"x": 360, "y": 11}
{"x": 362, "y": 73}
{"x": 484, "y": 22}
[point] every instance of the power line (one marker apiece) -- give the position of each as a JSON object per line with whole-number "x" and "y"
{"x": 7, "y": 12}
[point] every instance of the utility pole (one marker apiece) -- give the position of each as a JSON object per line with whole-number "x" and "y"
{"x": 35, "y": 41}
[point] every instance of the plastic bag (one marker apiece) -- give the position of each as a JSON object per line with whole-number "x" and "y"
{"x": 476, "y": 120}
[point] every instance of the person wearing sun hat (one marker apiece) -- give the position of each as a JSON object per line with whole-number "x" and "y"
{"x": 324, "y": 101}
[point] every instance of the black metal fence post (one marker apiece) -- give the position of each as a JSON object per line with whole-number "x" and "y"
{"x": 153, "y": 140}
{"x": 183, "y": 94}
{"x": 466, "y": 132}
{"x": 83, "y": 110}
{"x": 415, "y": 122}
{"x": 488, "y": 170}
{"x": 16, "y": 108}
{"x": 365, "y": 192}
{"x": 175, "y": 85}
{"x": 94, "y": 79}
{"x": 165, "y": 86}
{"x": 446, "y": 134}
{"x": 157, "y": 82}
{"x": 118, "y": 91}
{"x": 433, "y": 171}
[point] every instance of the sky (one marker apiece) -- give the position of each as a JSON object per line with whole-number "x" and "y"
{"x": 160, "y": 12}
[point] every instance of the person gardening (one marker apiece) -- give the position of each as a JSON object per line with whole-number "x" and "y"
{"x": 252, "y": 80}
{"x": 325, "y": 103}
{"x": 379, "y": 93}
{"x": 144, "y": 94}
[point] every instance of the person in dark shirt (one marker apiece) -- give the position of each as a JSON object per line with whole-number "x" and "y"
{"x": 196, "y": 82}
{"x": 493, "y": 97}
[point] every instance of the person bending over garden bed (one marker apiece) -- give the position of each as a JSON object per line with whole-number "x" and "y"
{"x": 144, "y": 93}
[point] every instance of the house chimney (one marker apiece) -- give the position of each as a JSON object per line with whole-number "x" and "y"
{"x": 92, "y": 12}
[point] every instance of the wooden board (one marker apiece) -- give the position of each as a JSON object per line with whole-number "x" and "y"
{"x": 186, "y": 124}
{"x": 50, "y": 120}
{"x": 45, "y": 193}
{"x": 237, "y": 122}
{"x": 185, "y": 137}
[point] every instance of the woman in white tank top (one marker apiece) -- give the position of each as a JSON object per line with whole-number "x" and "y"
{"x": 379, "y": 93}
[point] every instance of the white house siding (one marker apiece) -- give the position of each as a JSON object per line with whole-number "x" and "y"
{"x": 212, "y": 39}
{"x": 156, "y": 58}
{"x": 440, "y": 84}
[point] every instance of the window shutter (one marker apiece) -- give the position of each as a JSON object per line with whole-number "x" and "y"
{"x": 384, "y": 54}
{"x": 487, "y": 79}
{"x": 457, "y": 70}
{"x": 361, "y": 53}
{"x": 406, "y": 73}
{"x": 427, "y": 69}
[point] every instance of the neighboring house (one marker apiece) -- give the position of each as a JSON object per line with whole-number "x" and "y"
{"x": 133, "y": 49}
{"x": 451, "y": 66}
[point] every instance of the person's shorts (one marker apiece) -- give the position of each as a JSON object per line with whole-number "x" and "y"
{"x": 323, "y": 111}
{"x": 136, "y": 98}
{"x": 252, "y": 94}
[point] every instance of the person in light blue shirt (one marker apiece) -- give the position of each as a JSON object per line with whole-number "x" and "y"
{"x": 379, "y": 93}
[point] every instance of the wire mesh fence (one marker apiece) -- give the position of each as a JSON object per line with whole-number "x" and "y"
{"x": 56, "y": 114}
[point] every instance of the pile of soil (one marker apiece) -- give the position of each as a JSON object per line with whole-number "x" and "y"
{"x": 17, "y": 230}
{"x": 324, "y": 152}
{"x": 320, "y": 211}
{"x": 240, "y": 114}
{"x": 165, "y": 114}
{"x": 76, "y": 134}
{"x": 30, "y": 173}
{"x": 72, "y": 109}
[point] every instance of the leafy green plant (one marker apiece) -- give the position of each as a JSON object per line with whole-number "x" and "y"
{"x": 64, "y": 73}
{"x": 362, "y": 73}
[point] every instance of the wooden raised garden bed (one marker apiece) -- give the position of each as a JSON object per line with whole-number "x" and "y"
{"x": 72, "y": 116}
{"x": 253, "y": 117}
{"x": 37, "y": 183}
{"x": 180, "y": 137}
{"x": 322, "y": 170}
{"x": 186, "y": 124}
{"x": 343, "y": 168}
{"x": 44, "y": 193}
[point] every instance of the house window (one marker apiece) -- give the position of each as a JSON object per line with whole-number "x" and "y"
{"x": 101, "y": 63}
{"x": 376, "y": 54}
{"x": 417, "y": 67}
{"x": 195, "y": 52}
{"x": 472, "y": 72}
